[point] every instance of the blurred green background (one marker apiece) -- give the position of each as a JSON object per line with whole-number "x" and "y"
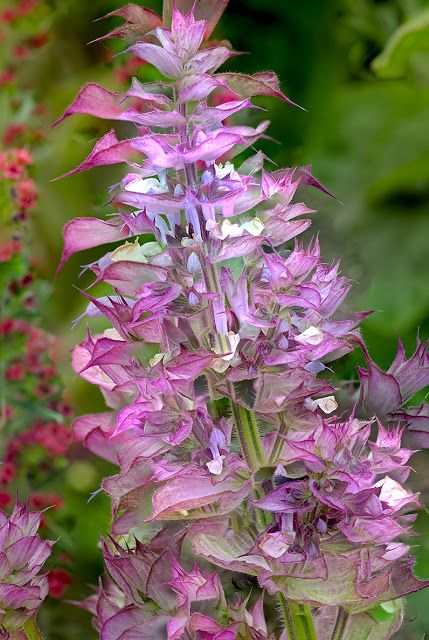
{"x": 366, "y": 134}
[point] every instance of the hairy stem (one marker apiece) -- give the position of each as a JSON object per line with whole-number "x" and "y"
{"x": 248, "y": 435}
{"x": 297, "y": 619}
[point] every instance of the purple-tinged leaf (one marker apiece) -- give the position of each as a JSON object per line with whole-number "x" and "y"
{"x": 127, "y": 277}
{"x": 309, "y": 179}
{"x": 232, "y": 553}
{"x": 94, "y": 100}
{"x": 380, "y": 392}
{"x": 216, "y": 145}
{"x": 380, "y": 624}
{"x": 236, "y": 247}
{"x": 108, "y": 150}
{"x": 134, "y": 623}
{"x": 13, "y": 596}
{"x": 265, "y": 83}
{"x": 214, "y": 116}
{"x": 194, "y": 494}
{"x": 146, "y": 92}
{"x": 138, "y": 22}
{"x": 86, "y": 233}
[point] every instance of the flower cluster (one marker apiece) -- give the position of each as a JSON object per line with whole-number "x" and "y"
{"x": 342, "y": 498}
{"x": 176, "y": 603}
{"x": 222, "y": 418}
{"x": 22, "y": 587}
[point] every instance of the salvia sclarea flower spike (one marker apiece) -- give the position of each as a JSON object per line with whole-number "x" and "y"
{"x": 23, "y": 587}
{"x": 240, "y": 492}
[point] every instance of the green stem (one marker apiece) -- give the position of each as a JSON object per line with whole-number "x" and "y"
{"x": 287, "y": 618}
{"x": 279, "y": 442}
{"x": 297, "y": 619}
{"x": 248, "y": 436}
{"x": 340, "y": 625}
{"x": 31, "y": 631}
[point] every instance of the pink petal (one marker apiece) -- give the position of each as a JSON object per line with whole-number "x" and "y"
{"x": 211, "y": 11}
{"x": 167, "y": 63}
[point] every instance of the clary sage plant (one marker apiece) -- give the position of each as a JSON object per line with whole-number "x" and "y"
{"x": 247, "y": 504}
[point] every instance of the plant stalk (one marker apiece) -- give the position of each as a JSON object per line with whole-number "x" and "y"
{"x": 248, "y": 436}
{"x": 297, "y": 619}
{"x": 247, "y": 429}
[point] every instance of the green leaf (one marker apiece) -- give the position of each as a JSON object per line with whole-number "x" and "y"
{"x": 411, "y": 38}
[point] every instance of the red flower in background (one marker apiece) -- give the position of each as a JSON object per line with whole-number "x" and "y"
{"x": 59, "y": 580}
{"x": 25, "y": 194}
{"x": 5, "y": 499}
{"x": 12, "y": 132}
{"x": 7, "y": 250}
{"x": 15, "y": 372}
{"x": 21, "y": 52}
{"x": 6, "y": 77}
{"x": 8, "y": 15}
{"x": 46, "y": 500}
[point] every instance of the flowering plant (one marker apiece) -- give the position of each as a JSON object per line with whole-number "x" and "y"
{"x": 22, "y": 587}
{"x": 230, "y": 448}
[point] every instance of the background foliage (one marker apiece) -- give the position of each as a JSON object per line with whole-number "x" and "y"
{"x": 360, "y": 68}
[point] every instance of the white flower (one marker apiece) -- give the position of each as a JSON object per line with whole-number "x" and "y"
{"x": 254, "y": 227}
{"x": 312, "y": 336}
{"x": 112, "y": 334}
{"x": 228, "y": 229}
{"x": 147, "y": 185}
{"x": 327, "y": 404}
{"x": 215, "y": 466}
{"x": 222, "y": 171}
{"x": 193, "y": 264}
